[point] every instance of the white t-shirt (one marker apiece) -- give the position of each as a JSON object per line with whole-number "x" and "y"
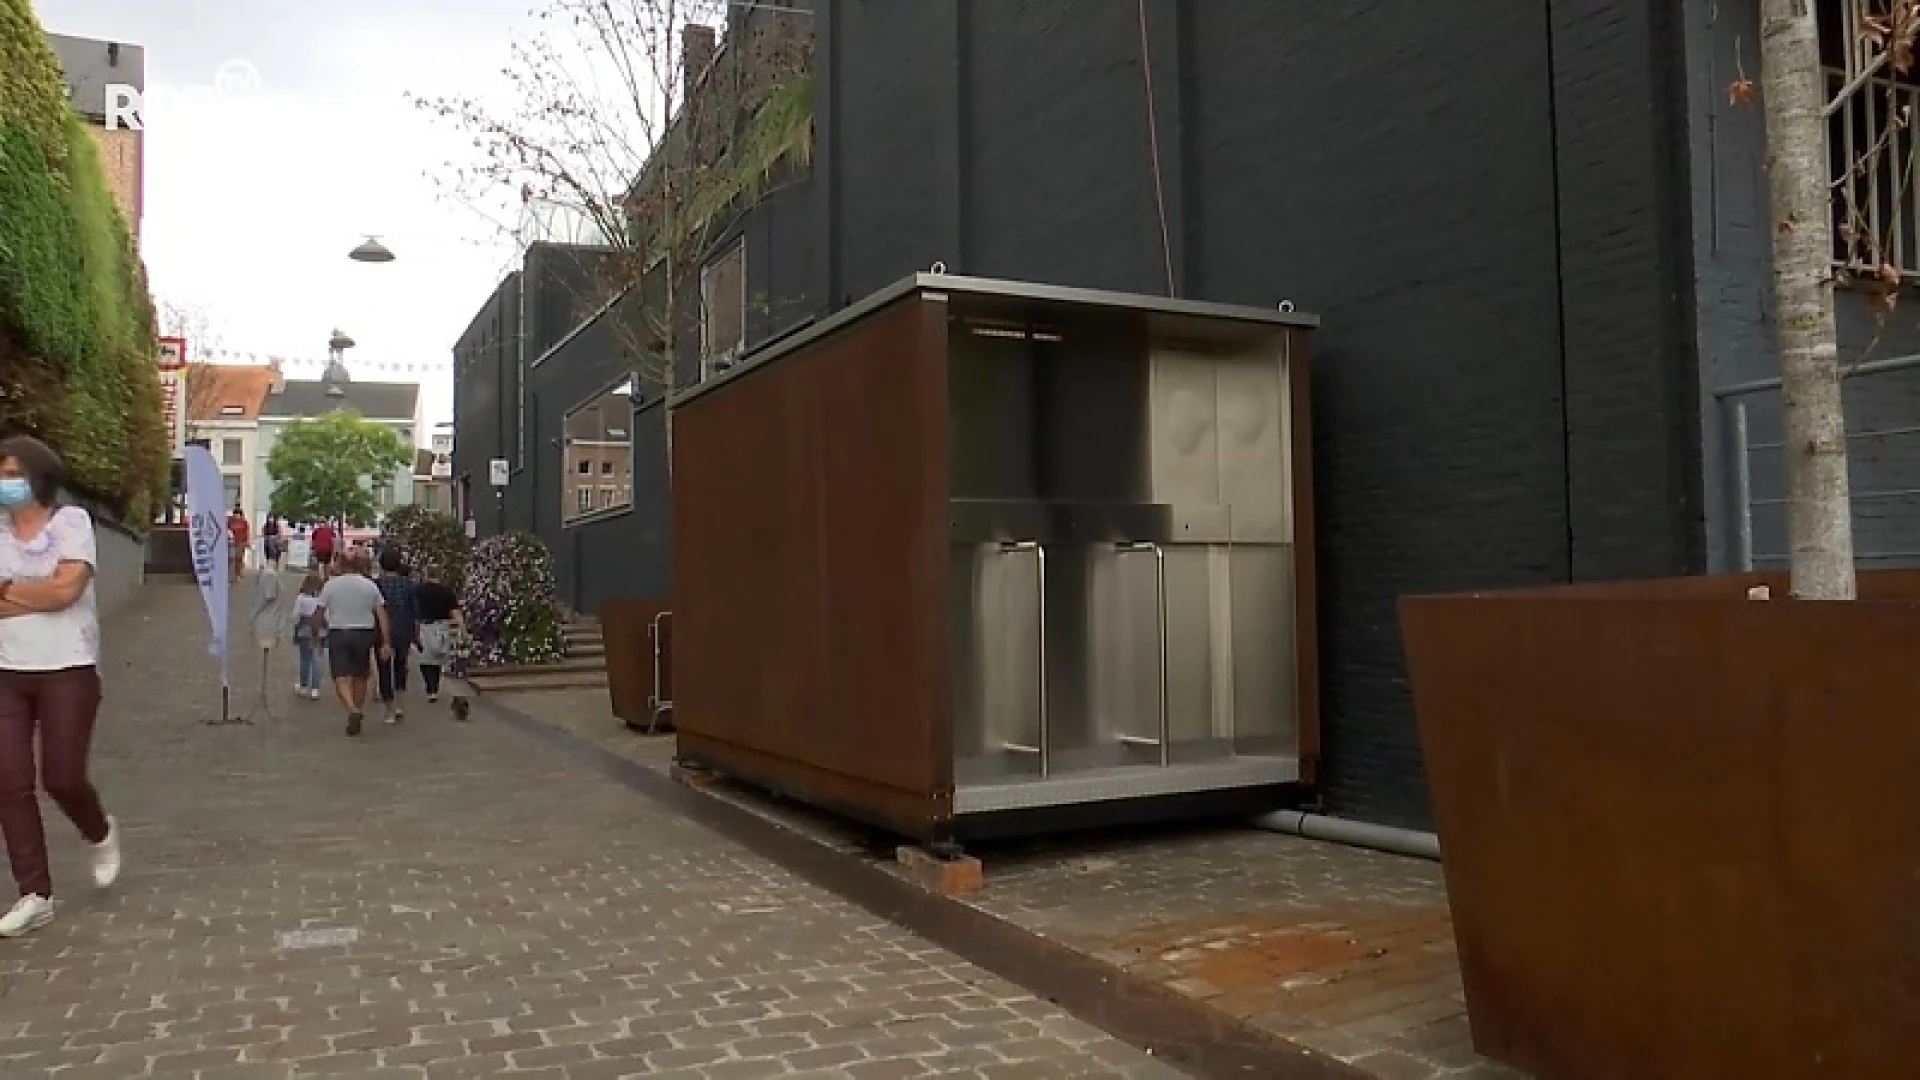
{"x": 50, "y": 640}
{"x": 351, "y": 602}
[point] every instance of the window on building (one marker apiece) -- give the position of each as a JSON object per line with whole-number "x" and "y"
{"x": 723, "y": 310}
{"x": 230, "y": 452}
{"x": 1871, "y": 144}
{"x": 230, "y": 484}
{"x": 596, "y": 432}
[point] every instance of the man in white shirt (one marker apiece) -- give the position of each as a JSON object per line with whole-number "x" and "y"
{"x": 354, "y": 616}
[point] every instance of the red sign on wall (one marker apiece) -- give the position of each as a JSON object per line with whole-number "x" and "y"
{"x": 172, "y": 361}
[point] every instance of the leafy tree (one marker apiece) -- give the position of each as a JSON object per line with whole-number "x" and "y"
{"x": 325, "y": 468}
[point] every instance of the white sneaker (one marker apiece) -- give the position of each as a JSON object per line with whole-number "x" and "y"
{"x": 106, "y": 857}
{"x": 30, "y": 914}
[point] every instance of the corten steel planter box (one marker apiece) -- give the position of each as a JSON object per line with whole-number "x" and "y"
{"x": 1679, "y": 825}
{"x": 974, "y": 554}
{"x": 627, "y": 625}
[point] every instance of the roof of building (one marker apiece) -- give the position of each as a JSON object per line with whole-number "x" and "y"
{"x": 90, "y": 65}
{"x": 227, "y": 391}
{"x": 373, "y": 400}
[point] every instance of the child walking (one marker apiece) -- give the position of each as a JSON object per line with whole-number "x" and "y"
{"x": 306, "y": 638}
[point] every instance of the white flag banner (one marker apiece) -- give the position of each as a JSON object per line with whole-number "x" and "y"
{"x": 207, "y": 529}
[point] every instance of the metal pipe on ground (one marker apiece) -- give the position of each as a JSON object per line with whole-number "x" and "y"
{"x": 1394, "y": 841}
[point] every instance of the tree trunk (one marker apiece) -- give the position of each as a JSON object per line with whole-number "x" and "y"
{"x": 1819, "y": 506}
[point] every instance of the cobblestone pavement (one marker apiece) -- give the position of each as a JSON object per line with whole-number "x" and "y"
{"x": 445, "y": 900}
{"x": 1344, "y": 951}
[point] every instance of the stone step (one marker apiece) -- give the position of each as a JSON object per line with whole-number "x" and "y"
{"x": 571, "y": 664}
{"x": 562, "y": 680}
{"x": 582, "y": 651}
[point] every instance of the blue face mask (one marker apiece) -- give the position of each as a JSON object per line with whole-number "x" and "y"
{"x": 14, "y": 491}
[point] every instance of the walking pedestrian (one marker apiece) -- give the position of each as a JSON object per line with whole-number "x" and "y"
{"x": 440, "y": 625}
{"x": 306, "y": 637}
{"x": 403, "y": 619}
{"x": 354, "y": 618}
{"x": 239, "y": 536}
{"x": 274, "y": 540}
{"x": 49, "y": 677}
{"x": 322, "y": 544}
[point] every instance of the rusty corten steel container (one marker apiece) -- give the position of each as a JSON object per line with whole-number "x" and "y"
{"x": 626, "y": 625}
{"x": 810, "y": 534}
{"x": 1681, "y": 828}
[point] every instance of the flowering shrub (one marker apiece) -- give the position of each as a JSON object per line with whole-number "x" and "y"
{"x": 509, "y": 601}
{"x": 429, "y": 538}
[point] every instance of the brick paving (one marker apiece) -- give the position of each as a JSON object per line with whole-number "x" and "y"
{"x": 446, "y": 900}
{"x": 1344, "y": 951}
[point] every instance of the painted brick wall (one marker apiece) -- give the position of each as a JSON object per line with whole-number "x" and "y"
{"x": 120, "y": 156}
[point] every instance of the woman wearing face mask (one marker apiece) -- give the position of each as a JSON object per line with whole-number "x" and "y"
{"x": 49, "y": 682}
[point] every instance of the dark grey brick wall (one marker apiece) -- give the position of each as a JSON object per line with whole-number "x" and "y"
{"x": 1634, "y": 498}
{"x": 1504, "y": 388}
{"x": 889, "y": 73}
{"x": 484, "y": 390}
{"x": 1731, "y": 250}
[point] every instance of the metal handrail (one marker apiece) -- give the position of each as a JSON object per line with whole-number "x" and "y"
{"x": 655, "y": 703}
{"x": 1160, "y": 585}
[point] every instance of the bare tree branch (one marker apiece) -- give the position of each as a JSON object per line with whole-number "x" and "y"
{"x": 608, "y": 123}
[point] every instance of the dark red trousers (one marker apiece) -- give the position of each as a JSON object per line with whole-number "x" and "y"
{"x": 59, "y": 707}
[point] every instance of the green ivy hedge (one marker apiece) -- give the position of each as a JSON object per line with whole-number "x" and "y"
{"x": 76, "y": 320}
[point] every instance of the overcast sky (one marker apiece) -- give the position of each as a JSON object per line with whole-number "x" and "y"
{"x": 278, "y": 135}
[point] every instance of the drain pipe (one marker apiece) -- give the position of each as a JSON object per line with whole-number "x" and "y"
{"x": 1419, "y": 845}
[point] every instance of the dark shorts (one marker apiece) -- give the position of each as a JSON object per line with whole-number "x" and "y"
{"x": 350, "y": 653}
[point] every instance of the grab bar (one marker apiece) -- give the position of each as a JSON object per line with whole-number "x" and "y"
{"x": 1040, "y": 623}
{"x": 656, "y": 704}
{"x": 1160, "y": 612}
